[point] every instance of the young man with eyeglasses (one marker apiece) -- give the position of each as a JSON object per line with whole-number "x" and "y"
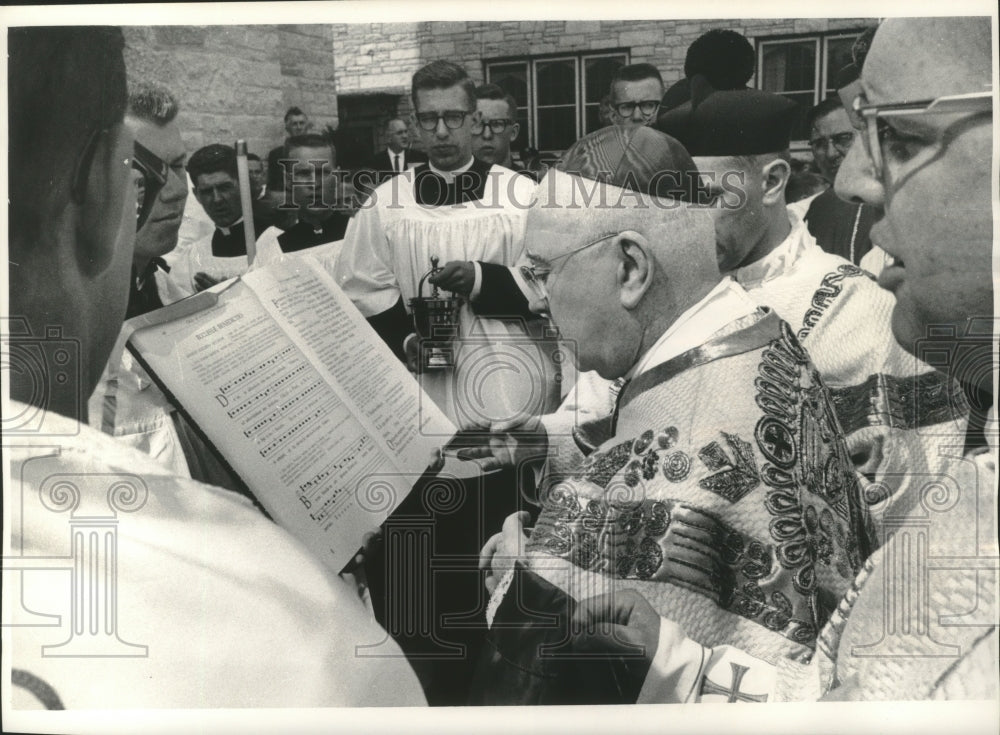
{"x": 636, "y": 92}
{"x": 920, "y": 621}
{"x": 469, "y": 215}
{"x": 497, "y": 128}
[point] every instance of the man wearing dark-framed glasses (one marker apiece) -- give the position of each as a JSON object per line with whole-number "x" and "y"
{"x": 468, "y": 215}
{"x": 636, "y": 91}
{"x": 497, "y": 127}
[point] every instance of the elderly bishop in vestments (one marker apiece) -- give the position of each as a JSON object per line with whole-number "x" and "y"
{"x": 724, "y": 492}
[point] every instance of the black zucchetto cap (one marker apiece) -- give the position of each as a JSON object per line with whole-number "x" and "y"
{"x": 635, "y": 158}
{"x": 741, "y": 122}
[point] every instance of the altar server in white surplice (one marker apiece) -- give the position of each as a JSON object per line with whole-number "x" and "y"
{"x": 470, "y": 216}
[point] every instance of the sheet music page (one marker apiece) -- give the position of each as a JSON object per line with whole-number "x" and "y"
{"x": 323, "y": 469}
{"x": 305, "y": 300}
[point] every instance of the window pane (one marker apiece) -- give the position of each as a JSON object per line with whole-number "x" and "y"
{"x": 804, "y": 100}
{"x": 593, "y": 119}
{"x": 789, "y": 66}
{"x": 556, "y": 128}
{"x": 598, "y": 75}
{"x": 555, "y": 82}
{"x": 838, "y": 55}
{"x": 513, "y": 79}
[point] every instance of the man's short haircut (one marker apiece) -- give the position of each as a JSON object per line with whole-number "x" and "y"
{"x": 152, "y": 103}
{"x": 823, "y": 109}
{"x": 212, "y": 159}
{"x": 293, "y": 110}
{"x": 391, "y": 120}
{"x": 443, "y": 74}
{"x": 311, "y": 140}
{"x": 496, "y": 92}
{"x": 253, "y": 157}
{"x": 65, "y": 85}
{"x": 636, "y": 73}
{"x": 724, "y": 57}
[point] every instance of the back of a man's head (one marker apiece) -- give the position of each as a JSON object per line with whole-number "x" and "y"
{"x": 65, "y": 86}
{"x": 724, "y": 57}
{"x": 443, "y": 74}
{"x": 72, "y": 226}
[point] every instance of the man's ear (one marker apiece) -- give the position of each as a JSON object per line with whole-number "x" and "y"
{"x": 515, "y": 129}
{"x": 774, "y": 178}
{"x": 99, "y": 215}
{"x": 635, "y": 267}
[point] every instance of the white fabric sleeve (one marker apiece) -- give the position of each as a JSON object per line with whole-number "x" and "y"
{"x": 364, "y": 269}
{"x": 477, "y": 283}
{"x": 685, "y": 671}
{"x": 676, "y": 668}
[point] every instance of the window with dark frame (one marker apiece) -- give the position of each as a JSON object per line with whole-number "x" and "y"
{"x": 558, "y": 97}
{"x": 803, "y": 68}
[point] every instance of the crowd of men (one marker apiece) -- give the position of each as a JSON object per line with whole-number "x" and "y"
{"x": 766, "y": 474}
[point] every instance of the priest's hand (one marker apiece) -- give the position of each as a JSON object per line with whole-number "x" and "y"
{"x": 621, "y": 629}
{"x": 411, "y": 348}
{"x": 203, "y": 281}
{"x": 509, "y": 444}
{"x": 457, "y": 276}
{"x": 504, "y": 548}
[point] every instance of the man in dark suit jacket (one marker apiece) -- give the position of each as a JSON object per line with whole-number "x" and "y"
{"x": 395, "y": 158}
{"x": 296, "y": 123}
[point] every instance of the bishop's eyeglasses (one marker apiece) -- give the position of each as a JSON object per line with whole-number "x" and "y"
{"x": 877, "y": 130}
{"x": 536, "y": 276}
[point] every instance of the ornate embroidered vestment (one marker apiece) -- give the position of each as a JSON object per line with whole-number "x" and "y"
{"x": 726, "y": 497}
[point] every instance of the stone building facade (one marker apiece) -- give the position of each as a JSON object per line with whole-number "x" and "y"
{"x": 237, "y": 81}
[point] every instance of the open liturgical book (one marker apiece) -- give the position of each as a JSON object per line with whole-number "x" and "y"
{"x": 300, "y": 397}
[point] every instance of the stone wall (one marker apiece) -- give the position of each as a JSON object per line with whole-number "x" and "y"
{"x": 237, "y": 81}
{"x": 662, "y": 43}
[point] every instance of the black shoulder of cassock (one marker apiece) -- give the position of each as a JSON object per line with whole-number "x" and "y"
{"x": 393, "y": 326}
{"x": 499, "y": 295}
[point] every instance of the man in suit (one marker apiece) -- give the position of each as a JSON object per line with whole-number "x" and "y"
{"x": 296, "y": 123}
{"x": 396, "y": 157}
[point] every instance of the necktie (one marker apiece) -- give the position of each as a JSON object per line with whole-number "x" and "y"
{"x": 395, "y": 163}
